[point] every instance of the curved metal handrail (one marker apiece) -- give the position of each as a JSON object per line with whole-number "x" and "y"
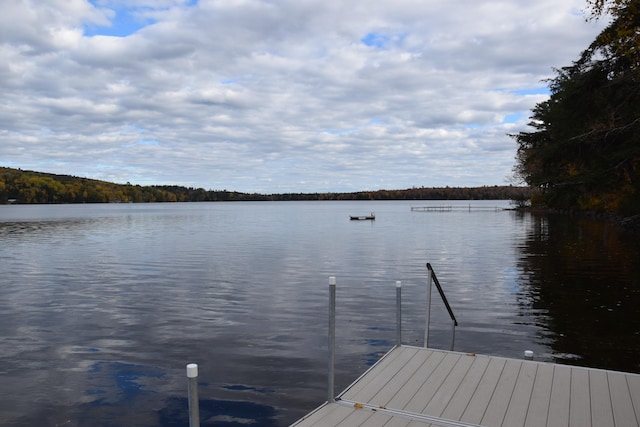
{"x": 432, "y": 276}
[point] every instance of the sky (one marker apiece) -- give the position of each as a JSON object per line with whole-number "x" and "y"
{"x": 279, "y": 96}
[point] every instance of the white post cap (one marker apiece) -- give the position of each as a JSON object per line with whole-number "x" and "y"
{"x": 192, "y": 370}
{"x": 332, "y": 280}
{"x": 398, "y": 284}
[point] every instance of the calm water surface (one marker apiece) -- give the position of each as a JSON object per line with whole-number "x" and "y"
{"x": 102, "y": 306}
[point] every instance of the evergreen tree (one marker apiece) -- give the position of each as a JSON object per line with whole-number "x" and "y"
{"x": 584, "y": 152}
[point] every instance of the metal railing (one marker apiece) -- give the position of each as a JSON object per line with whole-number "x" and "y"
{"x": 192, "y": 368}
{"x": 332, "y": 323}
{"x": 332, "y": 332}
{"x": 434, "y": 279}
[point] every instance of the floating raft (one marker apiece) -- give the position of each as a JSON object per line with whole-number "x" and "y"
{"x": 413, "y": 386}
{"x": 370, "y": 217}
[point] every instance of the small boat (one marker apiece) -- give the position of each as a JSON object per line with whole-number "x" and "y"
{"x": 363, "y": 217}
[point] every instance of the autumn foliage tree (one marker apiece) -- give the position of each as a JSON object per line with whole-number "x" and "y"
{"x": 584, "y": 151}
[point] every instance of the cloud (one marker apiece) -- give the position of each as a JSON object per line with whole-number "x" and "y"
{"x": 277, "y": 96}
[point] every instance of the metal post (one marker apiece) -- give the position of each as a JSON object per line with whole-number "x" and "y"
{"x": 453, "y": 334}
{"x": 398, "y": 313}
{"x": 332, "y": 338}
{"x": 428, "y": 316}
{"x": 194, "y": 410}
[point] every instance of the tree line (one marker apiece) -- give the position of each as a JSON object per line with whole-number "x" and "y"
{"x": 584, "y": 151}
{"x": 26, "y": 187}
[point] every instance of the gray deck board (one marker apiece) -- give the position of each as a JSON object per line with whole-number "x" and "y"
{"x": 430, "y": 387}
{"x": 460, "y": 401}
{"x": 624, "y": 414}
{"x": 416, "y": 387}
{"x": 480, "y": 400}
{"x": 392, "y": 371}
{"x": 398, "y": 382}
{"x": 601, "y": 407}
{"x": 560, "y": 390}
{"x": 439, "y": 402}
{"x": 499, "y": 402}
{"x": 538, "y": 411}
{"x": 386, "y": 369}
{"x": 518, "y": 406}
{"x": 633, "y": 384}
{"x": 579, "y": 410}
{"x": 413, "y": 384}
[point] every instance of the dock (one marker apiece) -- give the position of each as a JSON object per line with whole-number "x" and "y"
{"x": 416, "y": 386}
{"x": 422, "y": 386}
{"x": 450, "y": 208}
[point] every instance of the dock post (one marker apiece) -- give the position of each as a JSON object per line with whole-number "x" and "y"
{"x": 453, "y": 334}
{"x": 332, "y": 339}
{"x": 398, "y": 313}
{"x": 428, "y": 315}
{"x": 194, "y": 409}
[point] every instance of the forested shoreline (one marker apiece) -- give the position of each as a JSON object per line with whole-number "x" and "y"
{"x": 31, "y": 187}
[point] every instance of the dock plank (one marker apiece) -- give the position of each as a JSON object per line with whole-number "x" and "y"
{"x": 467, "y": 388}
{"x": 398, "y": 422}
{"x": 324, "y": 415}
{"x": 601, "y": 407}
{"x": 622, "y": 405}
{"x": 386, "y": 368}
{"x": 411, "y": 387}
{"x": 480, "y": 400}
{"x": 518, "y": 406}
{"x": 633, "y": 383}
{"x": 428, "y": 390}
{"x": 380, "y": 421}
{"x": 579, "y": 410}
{"x": 499, "y": 402}
{"x": 361, "y": 418}
{"x": 560, "y": 393}
{"x": 410, "y": 370}
{"x": 451, "y": 384}
{"x": 538, "y": 411}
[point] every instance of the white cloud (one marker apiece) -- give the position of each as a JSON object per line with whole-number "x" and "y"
{"x": 277, "y": 96}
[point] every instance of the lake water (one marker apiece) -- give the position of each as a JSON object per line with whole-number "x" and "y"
{"x": 102, "y": 306}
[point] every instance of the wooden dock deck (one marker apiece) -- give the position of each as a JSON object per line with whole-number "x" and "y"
{"x": 414, "y": 386}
